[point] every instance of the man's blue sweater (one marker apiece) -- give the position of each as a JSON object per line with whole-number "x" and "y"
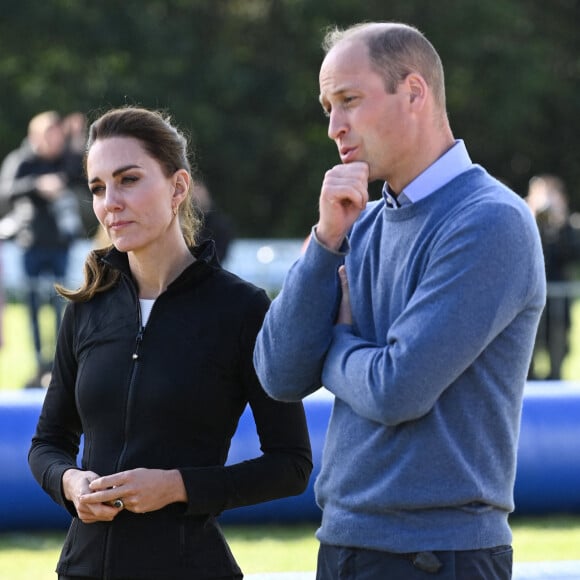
{"x": 446, "y": 296}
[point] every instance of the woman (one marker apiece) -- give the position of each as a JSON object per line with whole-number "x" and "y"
{"x": 154, "y": 368}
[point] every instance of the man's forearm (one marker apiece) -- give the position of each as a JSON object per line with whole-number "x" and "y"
{"x": 297, "y": 330}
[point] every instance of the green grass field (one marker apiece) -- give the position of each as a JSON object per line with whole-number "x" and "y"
{"x": 292, "y": 548}
{"x": 258, "y": 549}
{"x": 17, "y": 360}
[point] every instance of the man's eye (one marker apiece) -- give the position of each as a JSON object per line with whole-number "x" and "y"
{"x": 348, "y": 100}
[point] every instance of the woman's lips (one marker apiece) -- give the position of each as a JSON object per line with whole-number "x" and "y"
{"x": 118, "y": 225}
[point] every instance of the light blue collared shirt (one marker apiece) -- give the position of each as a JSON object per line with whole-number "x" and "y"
{"x": 451, "y": 164}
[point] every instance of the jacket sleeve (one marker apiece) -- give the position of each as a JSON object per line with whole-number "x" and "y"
{"x": 297, "y": 330}
{"x": 8, "y": 170}
{"x": 11, "y": 185}
{"x": 285, "y": 465}
{"x": 55, "y": 444}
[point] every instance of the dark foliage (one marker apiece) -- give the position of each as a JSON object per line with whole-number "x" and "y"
{"x": 241, "y": 76}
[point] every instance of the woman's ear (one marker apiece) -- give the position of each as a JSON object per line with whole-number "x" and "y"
{"x": 181, "y": 184}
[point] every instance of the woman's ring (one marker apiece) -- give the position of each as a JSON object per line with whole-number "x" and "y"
{"x": 118, "y": 503}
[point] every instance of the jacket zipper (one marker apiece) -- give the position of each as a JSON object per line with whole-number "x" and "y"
{"x": 135, "y": 358}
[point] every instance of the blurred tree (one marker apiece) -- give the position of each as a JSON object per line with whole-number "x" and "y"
{"x": 241, "y": 76}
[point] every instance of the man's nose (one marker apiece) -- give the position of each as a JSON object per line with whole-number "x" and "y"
{"x": 336, "y": 125}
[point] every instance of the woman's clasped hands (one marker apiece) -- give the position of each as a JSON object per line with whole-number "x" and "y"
{"x": 140, "y": 490}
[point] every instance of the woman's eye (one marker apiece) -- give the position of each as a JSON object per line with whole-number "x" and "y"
{"x": 129, "y": 179}
{"x": 97, "y": 189}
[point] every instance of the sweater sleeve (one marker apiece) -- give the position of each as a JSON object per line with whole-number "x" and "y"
{"x": 284, "y": 467}
{"x": 55, "y": 444}
{"x": 483, "y": 273}
{"x": 297, "y": 331}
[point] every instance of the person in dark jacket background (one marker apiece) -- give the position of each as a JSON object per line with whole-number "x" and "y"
{"x": 42, "y": 216}
{"x": 559, "y": 231}
{"x": 216, "y": 225}
{"x": 154, "y": 368}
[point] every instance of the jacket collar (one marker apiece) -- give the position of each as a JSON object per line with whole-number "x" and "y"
{"x": 205, "y": 255}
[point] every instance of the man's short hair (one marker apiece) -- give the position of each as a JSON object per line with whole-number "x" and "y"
{"x": 395, "y": 51}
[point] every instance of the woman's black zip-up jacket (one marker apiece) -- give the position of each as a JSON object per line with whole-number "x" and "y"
{"x": 167, "y": 396}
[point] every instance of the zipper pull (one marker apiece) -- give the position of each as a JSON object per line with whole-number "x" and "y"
{"x": 135, "y": 355}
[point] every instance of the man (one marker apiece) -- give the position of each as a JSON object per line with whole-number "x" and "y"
{"x": 44, "y": 218}
{"x": 216, "y": 225}
{"x": 548, "y": 200}
{"x": 428, "y": 358}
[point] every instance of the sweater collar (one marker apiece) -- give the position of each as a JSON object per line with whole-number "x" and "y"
{"x": 452, "y": 163}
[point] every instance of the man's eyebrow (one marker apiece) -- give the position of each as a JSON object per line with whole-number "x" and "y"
{"x": 118, "y": 171}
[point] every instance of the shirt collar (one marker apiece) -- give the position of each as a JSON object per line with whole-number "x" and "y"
{"x": 390, "y": 198}
{"x": 451, "y": 164}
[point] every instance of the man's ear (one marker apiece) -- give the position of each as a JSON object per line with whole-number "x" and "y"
{"x": 417, "y": 89}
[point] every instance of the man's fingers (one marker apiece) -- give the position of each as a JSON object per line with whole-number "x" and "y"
{"x": 347, "y": 184}
{"x": 343, "y": 197}
{"x": 344, "y": 311}
{"x": 343, "y": 279}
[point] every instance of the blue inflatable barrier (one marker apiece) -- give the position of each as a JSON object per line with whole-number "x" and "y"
{"x": 22, "y": 507}
{"x": 548, "y": 476}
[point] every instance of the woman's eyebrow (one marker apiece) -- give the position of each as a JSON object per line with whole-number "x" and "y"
{"x": 117, "y": 171}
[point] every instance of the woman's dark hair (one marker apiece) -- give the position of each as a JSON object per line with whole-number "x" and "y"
{"x": 163, "y": 142}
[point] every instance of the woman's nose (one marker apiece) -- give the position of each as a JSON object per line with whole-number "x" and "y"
{"x": 112, "y": 199}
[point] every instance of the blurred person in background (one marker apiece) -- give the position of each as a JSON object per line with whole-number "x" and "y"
{"x": 4, "y": 171}
{"x": 43, "y": 216}
{"x": 75, "y": 127}
{"x": 154, "y": 368}
{"x": 1, "y": 300}
{"x": 560, "y": 233}
{"x": 216, "y": 225}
